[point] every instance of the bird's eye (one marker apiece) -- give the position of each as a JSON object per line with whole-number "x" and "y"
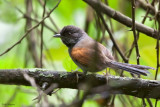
{"x": 69, "y": 33}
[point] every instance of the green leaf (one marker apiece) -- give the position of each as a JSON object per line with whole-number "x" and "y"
{"x": 68, "y": 64}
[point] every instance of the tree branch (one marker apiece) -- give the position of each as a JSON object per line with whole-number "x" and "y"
{"x": 101, "y": 7}
{"x": 145, "y": 6}
{"x": 112, "y": 84}
{"x": 29, "y": 30}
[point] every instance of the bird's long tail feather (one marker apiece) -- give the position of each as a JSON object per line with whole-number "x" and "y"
{"x": 135, "y": 69}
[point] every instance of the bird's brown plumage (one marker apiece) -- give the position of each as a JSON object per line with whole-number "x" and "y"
{"x": 81, "y": 55}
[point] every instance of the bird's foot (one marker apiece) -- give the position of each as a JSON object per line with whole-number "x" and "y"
{"x": 77, "y": 73}
{"x": 106, "y": 74}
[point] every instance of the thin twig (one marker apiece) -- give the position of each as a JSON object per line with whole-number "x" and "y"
{"x": 16, "y": 90}
{"x": 102, "y": 8}
{"x": 31, "y": 41}
{"x": 35, "y": 20}
{"x": 158, "y": 37}
{"x": 146, "y": 6}
{"x": 149, "y": 102}
{"x": 143, "y": 102}
{"x": 156, "y": 102}
{"x": 50, "y": 18}
{"x": 111, "y": 36}
{"x": 143, "y": 21}
{"x": 134, "y": 31}
{"x": 41, "y": 46}
{"x": 29, "y": 30}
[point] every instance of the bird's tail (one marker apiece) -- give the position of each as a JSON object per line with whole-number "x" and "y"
{"x": 135, "y": 69}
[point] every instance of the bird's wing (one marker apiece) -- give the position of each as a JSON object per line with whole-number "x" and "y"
{"x": 107, "y": 53}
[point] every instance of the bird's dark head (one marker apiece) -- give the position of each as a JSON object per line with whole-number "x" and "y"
{"x": 70, "y": 35}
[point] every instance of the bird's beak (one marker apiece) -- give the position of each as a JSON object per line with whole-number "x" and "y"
{"x": 57, "y": 35}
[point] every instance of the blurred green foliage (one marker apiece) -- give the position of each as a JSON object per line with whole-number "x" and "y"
{"x": 69, "y": 12}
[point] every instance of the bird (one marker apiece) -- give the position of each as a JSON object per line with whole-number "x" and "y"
{"x": 92, "y": 56}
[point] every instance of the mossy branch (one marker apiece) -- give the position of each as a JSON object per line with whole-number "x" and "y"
{"x": 113, "y": 84}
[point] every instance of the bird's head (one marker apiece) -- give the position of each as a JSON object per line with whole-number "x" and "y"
{"x": 70, "y": 35}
